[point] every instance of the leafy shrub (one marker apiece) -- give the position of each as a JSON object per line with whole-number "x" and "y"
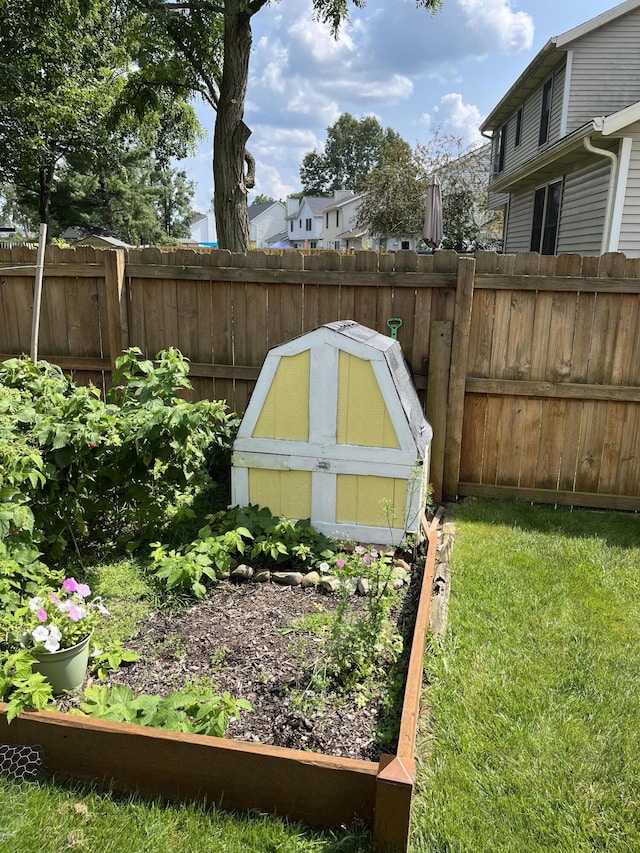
{"x": 71, "y": 461}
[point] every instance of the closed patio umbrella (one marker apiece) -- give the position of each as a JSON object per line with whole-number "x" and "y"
{"x": 433, "y": 231}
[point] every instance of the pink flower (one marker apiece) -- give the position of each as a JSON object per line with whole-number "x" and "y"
{"x": 54, "y": 598}
{"x": 42, "y": 615}
{"x": 339, "y": 563}
{"x": 70, "y": 584}
{"x": 75, "y": 613}
{"x": 83, "y": 590}
{"x": 366, "y": 559}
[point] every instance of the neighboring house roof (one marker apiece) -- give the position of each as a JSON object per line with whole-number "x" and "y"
{"x": 256, "y": 210}
{"x": 98, "y": 236}
{"x": 544, "y": 62}
{"x": 316, "y": 204}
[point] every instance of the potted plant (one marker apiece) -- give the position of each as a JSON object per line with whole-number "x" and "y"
{"x": 56, "y": 627}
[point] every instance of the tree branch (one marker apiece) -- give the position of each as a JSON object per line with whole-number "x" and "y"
{"x": 256, "y": 5}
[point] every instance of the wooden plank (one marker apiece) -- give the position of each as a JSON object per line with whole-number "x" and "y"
{"x": 520, "y": 340}
{"x": 560, "y": 344}
{"x": 473, "y": 426}
{"x": 490, "y": 443}
{"x": 436, "y": 400}
{"x": 510, "y": 441}
{"x": 404, "y": 307}
{"x": 603, "y": 337}
{"x": 624, "y": 503}
{"x": 328, "y": 791}
{"x": 286, "y": 276}
{"x": 418, "y": 353}
{"x": 481, "y": 333}
{"x": 458, "y": 372}
{"x": 188, "y": 327}
{"x": 613, "y": 440}
{"x": 540, "y": 337}
{"x": 559, "y": 390}
{"x": 550, "y": 447}
{"x": 629, "y": 463}
{"x": 531, "y": 442}
{"x": 570, "y": 446}
{"x": 394, "y": 791}
{"x": 222, "y": 306}
{"x": 549, "y": 282}
{"x": 500, "y": 339}
{"x": 117, "y": 321}
{"x": 582, "y": 337}
{"x": 627, "y": 328}
{"x": 591, "y": 446}
{"x": 53, "y": 269}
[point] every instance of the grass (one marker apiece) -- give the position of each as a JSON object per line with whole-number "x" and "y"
{"x": 534, "y": 735}
{"x": 49, "y": 818}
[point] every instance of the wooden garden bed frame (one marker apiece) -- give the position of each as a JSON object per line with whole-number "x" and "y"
{"x": 315, "y": 789}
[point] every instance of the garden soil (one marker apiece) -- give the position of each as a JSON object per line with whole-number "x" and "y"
{"x": 243, "y": 637}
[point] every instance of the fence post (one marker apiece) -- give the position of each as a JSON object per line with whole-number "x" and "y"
{"x": 436, "y": 402}
{"x": 458, "y": 375}
{"x": 394, "y": 790}
{"x": 117, "y": 323}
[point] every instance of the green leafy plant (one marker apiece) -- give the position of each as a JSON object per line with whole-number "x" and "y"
{"x": 195, "y": 709}
{"x": 20, "y": 687}
{"x": 110, "y": 659}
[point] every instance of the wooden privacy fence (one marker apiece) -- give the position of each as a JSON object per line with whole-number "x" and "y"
{"x": 528, "y": 366}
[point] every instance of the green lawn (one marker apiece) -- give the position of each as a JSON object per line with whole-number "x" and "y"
{"x": 533, "y": 741}
{"x": 533, "y": 734}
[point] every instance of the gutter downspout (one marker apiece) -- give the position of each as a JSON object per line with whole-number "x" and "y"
{"x": 601, "y": 152}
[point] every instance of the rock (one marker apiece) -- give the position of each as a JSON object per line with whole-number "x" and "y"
{"x": 310, "y": 579}
{"x": 242, "y": 573}
{"x": 402, "y": 564}
{"x": 262, "y": 576}
{"x": 222, "y": 574}
{"x": 363, "y": 586}
{"x": 398, "y": 573}
{"x": 287, "y": 578}
{"x": 397, "y": 583}
{"x": 351, "y": 585}
{"x": 330, "y": 584}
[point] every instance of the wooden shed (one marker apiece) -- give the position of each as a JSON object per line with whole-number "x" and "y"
{"x": 334, "y": 431}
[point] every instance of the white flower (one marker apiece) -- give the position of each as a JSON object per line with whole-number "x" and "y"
{"x": 52, "y": 645}
{"x": 40, "y": 634}
{"x": 54, "y": 633}
{"x": 96, "y": 652}
{"x": 324, "y": 567}
{"x": 35, "y": 603}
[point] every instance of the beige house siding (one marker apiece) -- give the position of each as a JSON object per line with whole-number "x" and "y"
{"x": 629, "y": 242}
{"x": 520, "y": 217}
{"x": 584, "y": 204}
{"x": 605, "y": 73}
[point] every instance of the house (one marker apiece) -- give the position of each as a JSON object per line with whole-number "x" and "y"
{"x": 334, "y": 432}
{"x": 566, "y": 142}
{"x": 305, "y": 218}
{"x": 203, "y": 230}
{"x": 267, "y": 223}
{"x": 97, "y": 237}
{"x": 340, "y": 225}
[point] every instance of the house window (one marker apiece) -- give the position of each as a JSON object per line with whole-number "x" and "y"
{"x": 546, "y": 216}
{"x": 336, "y": 244}
{"x": 326, "y": 221}
{"x": 404, "y": 244}
{"x": 313, "y": 244}
{"x": 337, "y": 218}
{"x": 545, "y": 115}
{"x": 518, "y": 138}
{"x": 291, "y": 226}
{"x": 502, "y": 146}
{"x": 307, "y": 224}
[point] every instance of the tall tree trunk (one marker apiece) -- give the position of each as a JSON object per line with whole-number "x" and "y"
{"x": 230, "y": 180}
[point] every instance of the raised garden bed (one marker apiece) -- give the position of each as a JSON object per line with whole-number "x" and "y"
{"x": 317, "y": 789}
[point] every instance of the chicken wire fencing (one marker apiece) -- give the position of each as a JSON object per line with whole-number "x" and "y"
{"x": 19, "y": 766}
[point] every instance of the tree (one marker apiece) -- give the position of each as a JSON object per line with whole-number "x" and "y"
{"x": 204, "y": 46}
{"x": 62, "y": 97}
{"x": 263, "y": 199}
{"x": 395, "y": 194}
{"x": 353, "y": 148}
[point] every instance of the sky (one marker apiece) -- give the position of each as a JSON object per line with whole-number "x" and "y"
{"x": 413, "y": 71}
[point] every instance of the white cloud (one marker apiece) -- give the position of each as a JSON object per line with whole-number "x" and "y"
{"x": 460, "y": 119}
{"x": 499, "y": 27}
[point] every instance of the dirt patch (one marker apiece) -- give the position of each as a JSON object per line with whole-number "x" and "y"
{"x": 243, "y": 637}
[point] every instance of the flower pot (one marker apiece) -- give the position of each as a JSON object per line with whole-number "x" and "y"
{"x": 66, "y": 668}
